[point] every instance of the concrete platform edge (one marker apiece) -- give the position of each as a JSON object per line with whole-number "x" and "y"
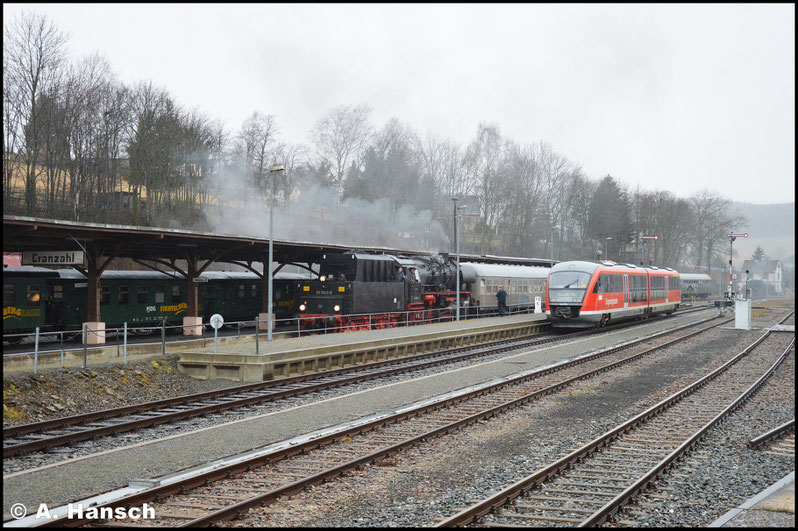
{"x": 786, "y": 480}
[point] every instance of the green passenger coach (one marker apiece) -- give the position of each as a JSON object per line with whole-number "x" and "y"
{"x": 56, "y": 299}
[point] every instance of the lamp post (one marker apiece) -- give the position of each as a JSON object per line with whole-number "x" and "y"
{"x": 606, "y": 254}
{"x": 457, "y": 252}
{"x": 643, "y": 245}
{"x": 551, "y": 243}
{"x": 274, "y": 169}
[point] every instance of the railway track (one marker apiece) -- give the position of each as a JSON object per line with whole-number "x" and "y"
{"x": 224, "y": 492}
{"x": 778, "y": 441}
{"x": 591, "y": 484}
{"x": 44, "y": 435}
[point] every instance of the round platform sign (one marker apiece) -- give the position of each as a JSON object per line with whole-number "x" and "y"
{"x": 217, "y": 321}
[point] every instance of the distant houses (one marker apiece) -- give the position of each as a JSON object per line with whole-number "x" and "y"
{"x": 765, "y": 277}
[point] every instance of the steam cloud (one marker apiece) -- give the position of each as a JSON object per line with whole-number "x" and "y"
{"x": 313, "y": 216}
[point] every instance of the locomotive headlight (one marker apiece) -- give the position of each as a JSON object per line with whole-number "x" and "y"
{"x": 337, "y": 308}
{"x": 302, "y": 307}
{"x": 322, "y": 278}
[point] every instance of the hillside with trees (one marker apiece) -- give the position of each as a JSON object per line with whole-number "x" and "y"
{"x": 78, "y": 144}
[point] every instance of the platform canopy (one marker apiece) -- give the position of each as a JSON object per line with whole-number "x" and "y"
{"x": 22, "y": 234}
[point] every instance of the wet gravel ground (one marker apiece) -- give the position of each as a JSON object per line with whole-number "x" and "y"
{"x": 725, "y": 473}
{"x": 54, "y": 455}
{"x": 449, "y": 473}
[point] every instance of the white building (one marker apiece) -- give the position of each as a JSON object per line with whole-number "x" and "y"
{"x": 768, "y": 271}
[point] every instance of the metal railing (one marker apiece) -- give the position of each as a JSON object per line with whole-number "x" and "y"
{"x": 294, "y": 326}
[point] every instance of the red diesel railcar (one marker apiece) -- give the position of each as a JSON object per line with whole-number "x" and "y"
{"x": 582, "y": 294}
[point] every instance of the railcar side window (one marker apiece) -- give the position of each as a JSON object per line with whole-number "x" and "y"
{"x": 9, "y": 294}
{"x": 124, "y": 294}
{"x": 254, "y": 290}
{"x": 33, "y": 295}
{"x": 599, "y": 287}
{"x": 105, "y": 294}
{"x": 240, "y": 291}
{"x": 637, "y": 288}
{"x": 175, "y": 293}
{"x": 159, "y": 295}
{"x": 609, "y": 283}
{"x": 141, "y": 295}
{"x": 58, "y": 292}
{"x": 657, "y": 287}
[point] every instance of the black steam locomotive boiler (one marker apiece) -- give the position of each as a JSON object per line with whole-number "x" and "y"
{"x": 362, "y": 291}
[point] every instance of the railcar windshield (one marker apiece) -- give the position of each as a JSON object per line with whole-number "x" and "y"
{"x": 568, "y": 286}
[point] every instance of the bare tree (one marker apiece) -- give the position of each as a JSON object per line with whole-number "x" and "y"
{"x": 663, "y": 215}
{"x": 291, "y": 156}
{"x": 485, "y": 157}
{"x": 713, "y": 220}
{"x": 34, "y": 50}
{"x": 258, "y": 136}
{"x": 340, "y": 138}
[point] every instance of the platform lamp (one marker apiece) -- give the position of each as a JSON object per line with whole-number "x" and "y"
{"x": 457, "y": 252}
{"x": 273, "y": 170}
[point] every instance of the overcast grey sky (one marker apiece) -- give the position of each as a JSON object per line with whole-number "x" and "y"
{"x": 667, "y": 97}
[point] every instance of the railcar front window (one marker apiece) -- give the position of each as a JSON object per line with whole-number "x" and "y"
{"x": 568, "y": 286}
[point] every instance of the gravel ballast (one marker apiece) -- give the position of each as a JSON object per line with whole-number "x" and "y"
{"x": 586, "y": 419}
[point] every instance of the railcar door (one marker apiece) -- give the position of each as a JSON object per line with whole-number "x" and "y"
{"x": 625, "y": 290}
{"x": 55, "y": 311}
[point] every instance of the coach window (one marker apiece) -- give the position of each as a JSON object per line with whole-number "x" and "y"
{"x": 105, "y": 294}
{"x": 58, "y": 292}
{"x": 124, "y": 294}
{"x": 9, "y": 294}
{"x": 141, "y": 295}
{"x": 240, "y": 291}
{"x": 33, "y": 296}
{"x": 159, "y": 295}
{"x": 254, "y": 291}
{"x": 175, "y": 293}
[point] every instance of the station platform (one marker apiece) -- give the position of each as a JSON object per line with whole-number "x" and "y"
{"x": 248, "y": 361}
{"x": 773, "y": 507}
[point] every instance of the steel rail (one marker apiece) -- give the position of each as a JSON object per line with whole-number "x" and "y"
{"x": 105, "y": 414}
{"x": 614, "y": 505}
{"x": 772, "y": 434}
{"x": 233, "y": 469}
{"x": 506, "y": 495}
{"x": 408, "y": 363}
{"x": 359, "y": 373}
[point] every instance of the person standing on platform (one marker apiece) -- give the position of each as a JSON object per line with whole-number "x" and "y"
{"x": 501, "y": 297}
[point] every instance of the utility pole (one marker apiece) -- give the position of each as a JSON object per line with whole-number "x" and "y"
{"x": 643, "y": 245}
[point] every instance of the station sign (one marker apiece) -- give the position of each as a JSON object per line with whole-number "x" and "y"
{"x": 35, "y": 258}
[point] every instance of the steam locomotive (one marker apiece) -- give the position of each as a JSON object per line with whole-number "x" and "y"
{"x": 362, "y": 291}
